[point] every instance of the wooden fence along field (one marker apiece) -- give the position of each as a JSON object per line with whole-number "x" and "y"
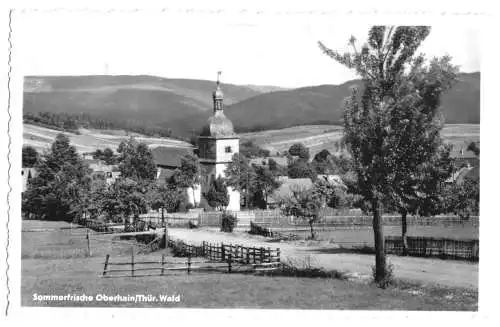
{"x": 268, "y": 232}
{"x": 435, "y": 247}
{"x": 219, "y": 258}
{"x": 328, "y": 218}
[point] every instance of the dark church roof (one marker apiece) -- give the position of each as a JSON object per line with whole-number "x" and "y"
{"x": 218, "y": 125}
{"x": 169, "y": 157}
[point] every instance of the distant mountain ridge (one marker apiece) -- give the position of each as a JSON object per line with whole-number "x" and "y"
{"x": 184, "y": 105}
{"x": 179, "y": 104}
{"x": 323, "y": 104}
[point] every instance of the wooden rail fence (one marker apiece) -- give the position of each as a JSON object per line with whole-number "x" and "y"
{"x": 220, "y": 258}
{"x": 221, "y": 252}
{"x": 268, "y": 232}
{"x": 434, "y": 247}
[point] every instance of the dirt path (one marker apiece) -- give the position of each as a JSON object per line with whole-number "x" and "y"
{"x": 427, "y": 271}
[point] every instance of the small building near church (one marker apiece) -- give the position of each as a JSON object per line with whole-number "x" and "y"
{"x": 167, "y": 160}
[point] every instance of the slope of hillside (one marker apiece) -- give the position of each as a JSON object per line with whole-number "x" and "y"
{"x": 324, "y": 104}
{"x": 178, "y": 104}
{"x": 319, "y": 137}
{"x": 89, "y": 140}
{"x": 184, "y": 105}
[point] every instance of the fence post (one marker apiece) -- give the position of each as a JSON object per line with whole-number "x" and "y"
{"x": 229, "y": 263}
{"x": 162, "y": 264}
{"x": 164, "y": 237}
{"x": 189, "y": 265}
{"x": 262, "y": 250}
{"x": 105, "y": 265}
{"x": 223, "y": 254}
{"x": 89, "y": 250}
{"x": 268, "y": 259}
{"x": 253, "y": 250}
{"x": 278, "y": 255}
{"x": 248, "y": 256}
{"x": 132, "y": 263}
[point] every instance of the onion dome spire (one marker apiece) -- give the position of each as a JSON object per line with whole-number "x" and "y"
{"x": 218, "y": 96}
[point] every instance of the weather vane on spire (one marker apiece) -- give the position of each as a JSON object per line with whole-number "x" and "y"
{"x": 218, "y": 76}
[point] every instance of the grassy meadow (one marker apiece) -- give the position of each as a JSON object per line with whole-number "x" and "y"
{"x": 90, "y": 140}
{"x": 318, "y": 137}
{"x": 55, "y": 262}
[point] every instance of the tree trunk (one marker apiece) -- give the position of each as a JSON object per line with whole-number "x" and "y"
{"x": 162, "y": 218}
{"x": 312, "y": 230}
{"x": 380, "y": 262}
{"x": 404, "y": 229}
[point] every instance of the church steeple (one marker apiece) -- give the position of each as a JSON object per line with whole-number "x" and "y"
{"x": 218, "y": 96}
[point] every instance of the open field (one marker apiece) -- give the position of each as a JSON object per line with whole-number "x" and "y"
{"x": 318, "y": 137}
{"x": 52, "y": 273}
{"x": 89, "y": 140}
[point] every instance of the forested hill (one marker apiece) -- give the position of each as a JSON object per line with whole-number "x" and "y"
{"x": 180, "y": 105}
{"x": 160, "y": 106}
{"x": 324, "y": 105}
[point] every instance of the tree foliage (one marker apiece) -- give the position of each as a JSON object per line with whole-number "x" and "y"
{"x": 136, "y": 161}
{"x": 165, "y": 197}
{"x": 299, "y": 150}
{"x": 265, "y": 183}
{"x": 303, "y": 203}
{"x": 240, "y": 175}
{"x": 125, "y": 199}
{"x": 301, "y": 168}
{"x": 217, "y": 195}
{"x": 188, "y": 175}
{"x": 474, "y": 147}
{"x": 62, "y": 180}
{"x": 393, "y": 130}
{"x": 251, "y": 150}
{"x": 30, "y": 156}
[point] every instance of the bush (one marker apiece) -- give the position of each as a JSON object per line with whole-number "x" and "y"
{"x": 182, "y": 207}
{"x": 192, "y": 225}
{"x": 228, "y": 223}
{"x": 389, "y": 276}
{"x": 178, "y": 249}
{"x": 189, "y": 206}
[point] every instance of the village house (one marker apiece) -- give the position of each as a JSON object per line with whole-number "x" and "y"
{"x": 467, "y": 164}
{"x": 100, "y": 169}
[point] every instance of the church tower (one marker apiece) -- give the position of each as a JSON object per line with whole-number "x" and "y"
{"x": 217, "y": 145}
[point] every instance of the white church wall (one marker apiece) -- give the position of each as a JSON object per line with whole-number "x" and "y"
{"x": 234, "y": 200}
{"x": 194, "y": 194}
{"x": 222, "y": 144}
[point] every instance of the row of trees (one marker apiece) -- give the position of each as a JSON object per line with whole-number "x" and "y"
{"x": 72, "y": 122}
{"x": 64, "y": 187}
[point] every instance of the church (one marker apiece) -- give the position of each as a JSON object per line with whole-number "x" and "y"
{"x": 217, "y": 144}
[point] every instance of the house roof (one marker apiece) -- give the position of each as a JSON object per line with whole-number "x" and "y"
{"x": 462, "y": 153}
{"x": 334, "y": 180}
{"x": 467, "y": 173}
{"x": 286, "y": 187}
{"x": 282, "y": 161}
{"x": 168, "y": 156}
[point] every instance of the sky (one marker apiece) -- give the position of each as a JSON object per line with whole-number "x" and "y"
{"x": 277, "y": 51}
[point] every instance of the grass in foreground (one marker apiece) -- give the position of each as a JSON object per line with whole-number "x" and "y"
{"x": 219, "y": 290}
{"x": 48, "y": 270}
